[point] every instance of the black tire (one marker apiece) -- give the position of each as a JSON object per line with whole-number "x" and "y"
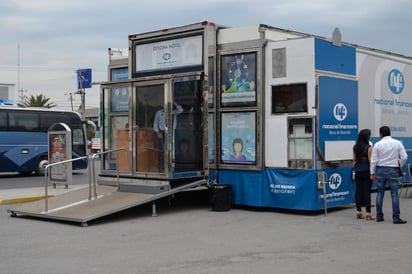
{"x": 42, "y": 162}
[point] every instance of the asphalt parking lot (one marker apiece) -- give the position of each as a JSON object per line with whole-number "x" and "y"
{"x": 188, "y": 237}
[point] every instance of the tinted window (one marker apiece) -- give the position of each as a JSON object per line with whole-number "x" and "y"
{"x": 289, "y": 98}
{"x": 48, "y": 119}
{"x": 3, "y": 120}
{"x": 21, "y": 121}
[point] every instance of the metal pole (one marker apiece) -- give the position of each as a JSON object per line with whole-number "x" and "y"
{"x": 83, "y": 104}
{"x": 46, "y": 203}
{"x": 83, "y": 97}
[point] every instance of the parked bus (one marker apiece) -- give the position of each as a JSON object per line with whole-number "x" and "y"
{"x": 23, "y": 138}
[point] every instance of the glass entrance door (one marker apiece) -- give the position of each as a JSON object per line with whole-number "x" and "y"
{"x": 188, "y": 125}
{"x": 150, "y": 128}
{"x": 168, "y": 127}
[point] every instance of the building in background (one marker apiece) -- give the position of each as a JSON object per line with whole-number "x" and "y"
{"x": 7, "y": 94}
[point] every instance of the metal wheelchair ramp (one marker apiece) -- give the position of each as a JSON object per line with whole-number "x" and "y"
{"x": 75, "y": 206}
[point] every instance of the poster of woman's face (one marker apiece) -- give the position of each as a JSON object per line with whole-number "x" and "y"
{"x": 238, "y": 138}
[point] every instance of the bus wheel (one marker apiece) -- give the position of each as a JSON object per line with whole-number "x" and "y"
{"x": 41, "y": 165}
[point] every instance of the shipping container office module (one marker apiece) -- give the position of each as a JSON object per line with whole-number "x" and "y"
{"x": 282, "y": 108}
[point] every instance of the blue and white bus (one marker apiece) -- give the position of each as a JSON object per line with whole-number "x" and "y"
{"x": 23, "y": 138}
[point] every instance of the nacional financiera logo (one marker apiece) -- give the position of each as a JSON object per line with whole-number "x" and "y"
{"x": 396, "y": 81}
{"x": 335, "y": 180}
{"x": 340, "y": 112}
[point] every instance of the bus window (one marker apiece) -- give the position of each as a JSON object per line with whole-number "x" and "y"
{"x": 23, "y": 121}
{"x": 78, "y": 138}
{"x": 3, "y": 121}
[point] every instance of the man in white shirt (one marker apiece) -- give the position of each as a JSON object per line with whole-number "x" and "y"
{"x": 159, "y": 126}
{"x": 387, "y": 155}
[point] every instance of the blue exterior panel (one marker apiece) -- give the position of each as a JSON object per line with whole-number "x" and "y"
{"x": 335, "y": 59}
{"x": 289, "y": 189}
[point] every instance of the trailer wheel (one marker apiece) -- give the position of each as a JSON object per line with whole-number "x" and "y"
{"x": 41, "y": 165}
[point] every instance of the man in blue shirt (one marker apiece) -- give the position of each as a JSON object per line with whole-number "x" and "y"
{"x": 387, "y": 156}
{"x": 159, "y": 126}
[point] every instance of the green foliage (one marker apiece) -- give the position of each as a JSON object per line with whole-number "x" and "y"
{"x": 37, "y": 101}
{"x": 90, "y": 132}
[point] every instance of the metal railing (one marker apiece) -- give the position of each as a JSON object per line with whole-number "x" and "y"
{"x": 93, "y": 158}
{"x": 91, "y": 172}
{"x": 47, "y": 176}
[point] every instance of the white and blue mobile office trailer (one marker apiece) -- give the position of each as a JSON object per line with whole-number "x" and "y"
{"x": 274, "y": 113}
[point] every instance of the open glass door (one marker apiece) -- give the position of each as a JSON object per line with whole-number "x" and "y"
{"x": 168, "y": 127}
{"x": 188, "y": 128}
{"x": 150, "y": 128}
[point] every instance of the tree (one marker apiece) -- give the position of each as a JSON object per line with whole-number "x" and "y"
{"x": 37, "y": 101}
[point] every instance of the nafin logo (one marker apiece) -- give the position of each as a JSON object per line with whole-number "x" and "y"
{"x": 396, "y": 81}
{"x": 340, "y": 112}
{"x": 335, "y": 180}
{"x": 167, "y": 56}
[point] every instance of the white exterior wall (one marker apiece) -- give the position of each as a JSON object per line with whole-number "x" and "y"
{"x": 239, "y": 34}
{"x": 299, "y": 69}
{"x": 373, "y": 70}
{"x": 6, "y": 91}
{"x": 279, "y": 35}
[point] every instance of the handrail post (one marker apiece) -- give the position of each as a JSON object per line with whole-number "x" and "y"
{"x": 90, "y": 178}
{"x": 94, "y": 175}
{"x": 117, "y": 170}
{"x": 46, "y": 205}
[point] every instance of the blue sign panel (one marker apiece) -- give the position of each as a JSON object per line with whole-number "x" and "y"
{"x": 84, "y": 78}
{"x": 290, "y": 189}
{"x": 337, "y": 59}
{"x": 338, "y": 110}
{"x": 117, "y": 74}
{"x": 7, "y": 102}
{"x": 119, "y": 99}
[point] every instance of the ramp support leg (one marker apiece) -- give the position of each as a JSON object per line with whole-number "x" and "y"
{"x": 154, "y": 214}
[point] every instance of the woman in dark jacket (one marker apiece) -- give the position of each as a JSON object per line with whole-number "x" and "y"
{"x": 362, "y": 152}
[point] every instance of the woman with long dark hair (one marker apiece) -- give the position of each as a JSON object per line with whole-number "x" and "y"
{"x": 362, "y": 152}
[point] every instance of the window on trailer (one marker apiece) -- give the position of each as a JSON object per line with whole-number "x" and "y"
{"x": 289, "y": 98}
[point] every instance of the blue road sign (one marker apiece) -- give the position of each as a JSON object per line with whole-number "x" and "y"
{"x": 84, "y": 78}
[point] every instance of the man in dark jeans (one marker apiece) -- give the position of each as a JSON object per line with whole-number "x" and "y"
{"x": 387, "y": 156}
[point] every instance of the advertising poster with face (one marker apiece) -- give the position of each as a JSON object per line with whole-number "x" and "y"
{"x": 239, "y": 138}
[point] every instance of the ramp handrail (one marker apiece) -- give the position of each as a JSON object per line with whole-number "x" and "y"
{"x": 47, "y": 176}
{"x": 94, "y": 156}
{"x": 91, "y": 172}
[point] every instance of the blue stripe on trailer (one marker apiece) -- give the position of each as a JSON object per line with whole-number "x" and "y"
{"x": 289, "y": 189}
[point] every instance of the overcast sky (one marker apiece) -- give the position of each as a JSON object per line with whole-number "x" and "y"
{"x": 50, "y": 39}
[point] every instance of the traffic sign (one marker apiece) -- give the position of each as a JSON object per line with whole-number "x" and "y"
{"x": 84, "y": 78}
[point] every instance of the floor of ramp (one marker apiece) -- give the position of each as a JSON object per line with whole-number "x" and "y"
{"x": 75, "y": 206}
